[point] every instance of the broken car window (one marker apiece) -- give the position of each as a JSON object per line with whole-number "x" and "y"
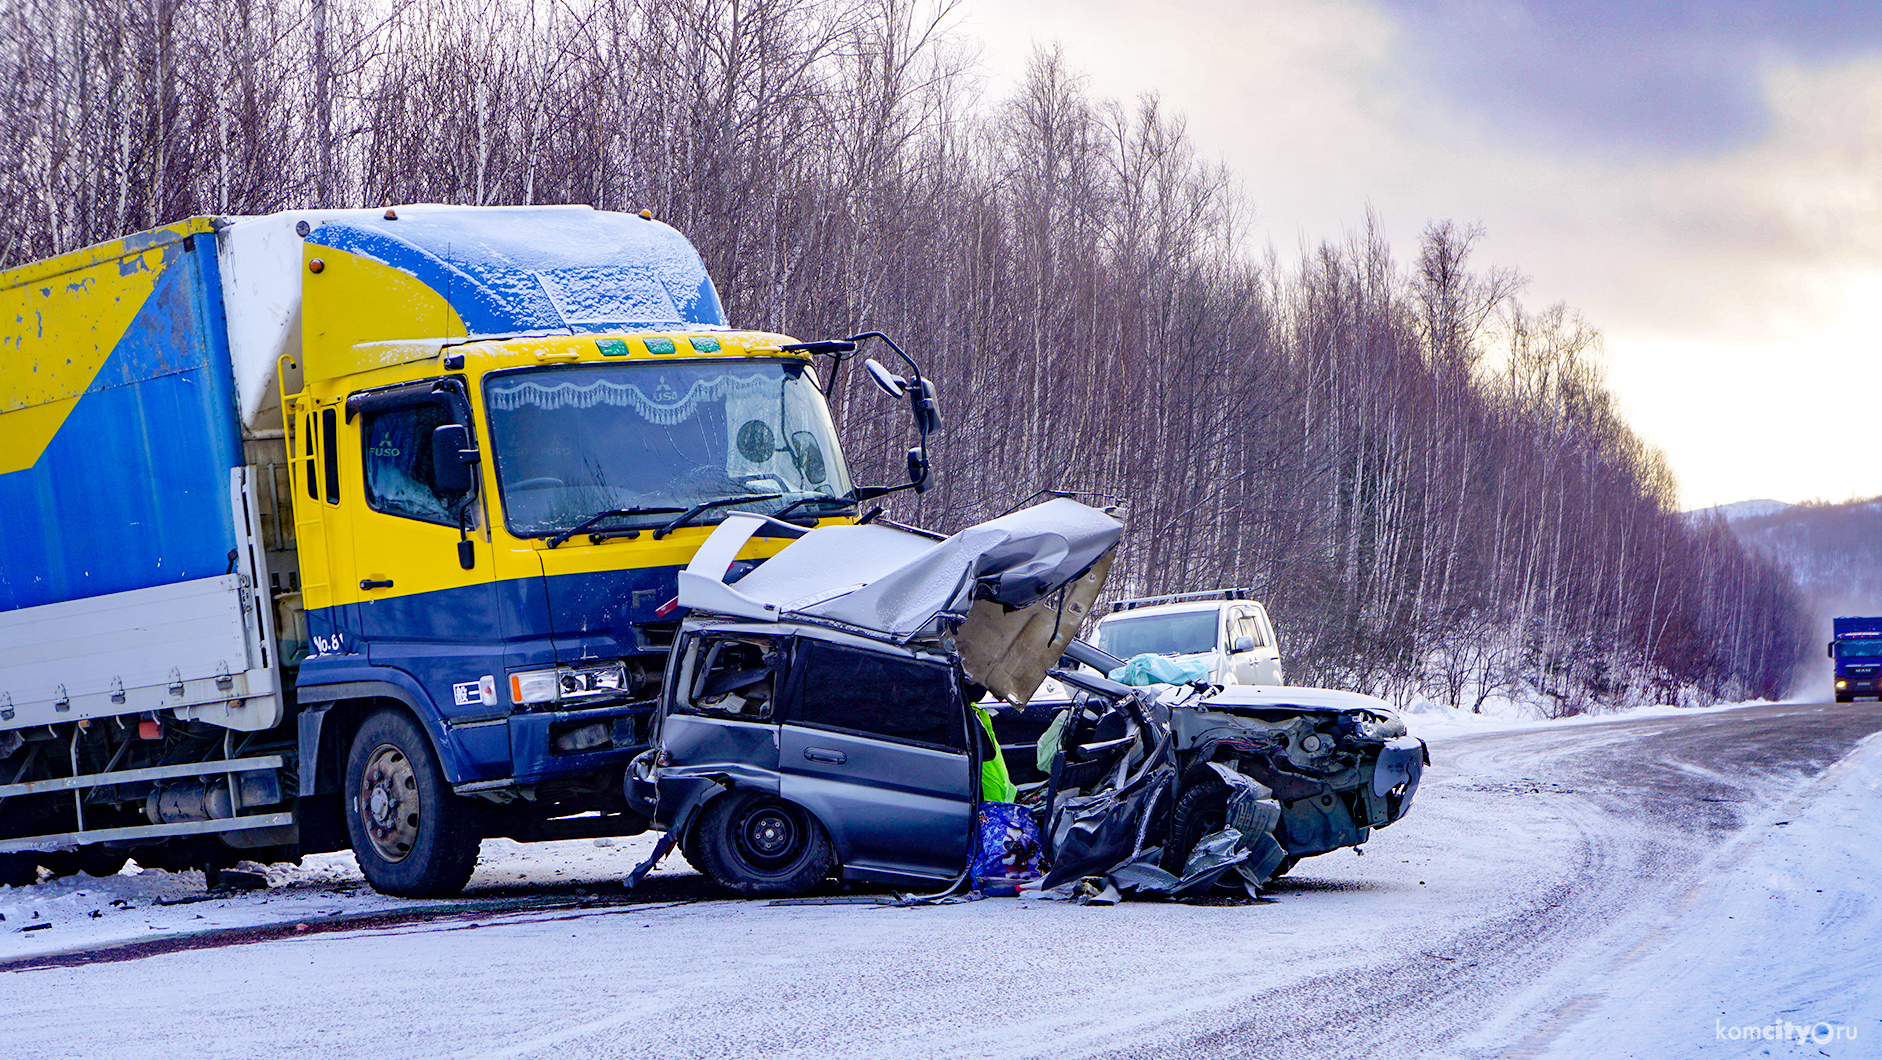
{"x": 733, "y": 678}
{"x": 881, "y": 695}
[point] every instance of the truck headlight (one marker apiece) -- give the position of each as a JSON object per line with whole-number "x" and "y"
{"x": 568, "y": 682}
{"x": 1842, "y": 684}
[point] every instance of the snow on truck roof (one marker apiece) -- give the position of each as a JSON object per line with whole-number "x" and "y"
{"x": 482, "y": 271}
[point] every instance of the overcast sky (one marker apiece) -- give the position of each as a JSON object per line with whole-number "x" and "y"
{"x": 1702, "y": 181}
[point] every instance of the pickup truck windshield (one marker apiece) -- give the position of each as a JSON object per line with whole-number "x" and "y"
{"x": 573, "y": 441}
{"x": 1181, "y": 633}
{"x": 1867, "y": 648}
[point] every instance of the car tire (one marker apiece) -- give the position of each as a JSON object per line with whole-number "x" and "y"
{"x": 689, "y": 849}
{"x": 19, "y": 870}
{"x": 411, "y": 835}
{"x": 1200, "y": 809}
{"x": 760, "y": 846}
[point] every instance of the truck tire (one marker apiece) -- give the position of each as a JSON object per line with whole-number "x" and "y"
{"x": 760, "y": 846}
{"x": 411, "y": 835}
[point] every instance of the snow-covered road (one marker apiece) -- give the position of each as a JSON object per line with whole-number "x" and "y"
{"x": 1640, "y": 887}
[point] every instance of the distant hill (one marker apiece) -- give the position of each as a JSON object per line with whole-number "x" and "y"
{"x": 1737, "y": 510}
{"x": 1833, "y": 550}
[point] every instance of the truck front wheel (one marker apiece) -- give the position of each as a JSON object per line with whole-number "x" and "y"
{"x": 411, "y": 836}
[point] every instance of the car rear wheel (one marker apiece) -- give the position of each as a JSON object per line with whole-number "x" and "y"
{"x": 760, "y": 846}
{"x": 411, "y": 835}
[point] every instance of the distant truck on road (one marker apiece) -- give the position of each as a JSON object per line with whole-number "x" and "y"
{"x": 362, "y": 527}
{"x": 1857, "y": 649}
{"x": 1226, "y": 630}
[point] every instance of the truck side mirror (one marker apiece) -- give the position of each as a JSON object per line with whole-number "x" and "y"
{"x": 1830, "y": 649}
{"x": 1242, "y": 644}
{"x": 452, "y": 458}
{"x": 927, "y": 409}
{"x": 889, "y": 383}
{"x": 918, "y": 469}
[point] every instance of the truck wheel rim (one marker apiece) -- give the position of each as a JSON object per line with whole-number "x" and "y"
{"x": 388, "y": 802}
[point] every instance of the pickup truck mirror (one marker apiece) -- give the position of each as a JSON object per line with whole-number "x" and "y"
{"x": 452, "y": 458}
{"x": 1243, "y": 644}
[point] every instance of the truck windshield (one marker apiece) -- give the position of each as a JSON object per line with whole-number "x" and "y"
{"x": 1181, "y": 633}
{"x": 574, "y": 441}
{"x": 1867, "y": 648}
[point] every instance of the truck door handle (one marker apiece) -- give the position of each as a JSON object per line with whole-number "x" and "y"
{"x": 369, "y": 583}
{"x": 824, "y": 754}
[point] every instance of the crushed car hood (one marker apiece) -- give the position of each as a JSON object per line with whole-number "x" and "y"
{"x": 903, "y": 584}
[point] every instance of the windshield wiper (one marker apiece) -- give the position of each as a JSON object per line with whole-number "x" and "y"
{"x": 684, "y": 517}
{"x": 612, "y": 513}
{"x": 842, "y": 502}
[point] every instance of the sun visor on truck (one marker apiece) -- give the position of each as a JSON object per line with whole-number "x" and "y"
{"x": 896, "y": 582}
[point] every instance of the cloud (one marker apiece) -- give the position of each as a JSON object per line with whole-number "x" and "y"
{"x": 1627, "y": 76}
{"x": 1720, "y": 221}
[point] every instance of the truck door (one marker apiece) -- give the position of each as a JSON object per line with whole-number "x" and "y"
{"x": 422, "y": 565}
{"x": 876, "y": 746}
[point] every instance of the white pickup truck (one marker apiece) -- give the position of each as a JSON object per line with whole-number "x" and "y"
{"x": 1223, "y": 629}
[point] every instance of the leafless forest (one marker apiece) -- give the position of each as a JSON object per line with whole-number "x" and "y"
{"x": 1425, "y": 479}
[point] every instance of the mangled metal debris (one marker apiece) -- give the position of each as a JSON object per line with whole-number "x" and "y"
{"x": 822, "y": 715}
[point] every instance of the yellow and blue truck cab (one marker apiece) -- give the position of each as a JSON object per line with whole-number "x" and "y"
{"x": 362, "y": 528}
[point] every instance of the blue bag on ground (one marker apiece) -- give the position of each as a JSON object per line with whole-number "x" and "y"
{"x": 1158, "y": 670}
{"x": 1008, "y": 846}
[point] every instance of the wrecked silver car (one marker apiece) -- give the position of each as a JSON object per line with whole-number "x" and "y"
{"x": 820, "y": 717}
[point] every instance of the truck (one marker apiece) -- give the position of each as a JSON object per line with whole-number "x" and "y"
{"x": 1226, "y": 630}
{"x": 360, "y": 529}
{"x": 1856, "y": 645}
